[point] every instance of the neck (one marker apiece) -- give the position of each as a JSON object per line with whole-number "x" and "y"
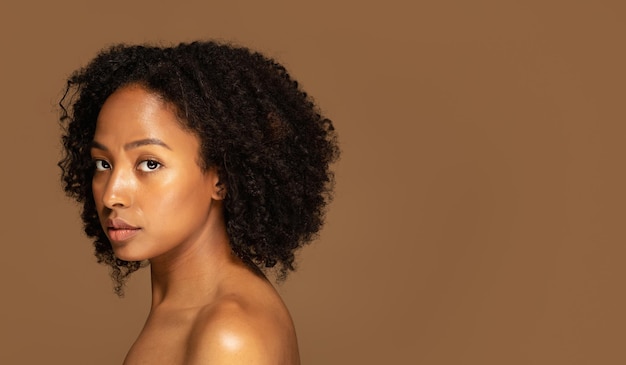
{"x": 192, "y": 275}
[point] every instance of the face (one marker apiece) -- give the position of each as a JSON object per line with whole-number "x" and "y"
{"x": 152, "y": 197}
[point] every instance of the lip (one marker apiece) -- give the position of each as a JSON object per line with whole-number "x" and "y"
{"x": 119, "y": 230}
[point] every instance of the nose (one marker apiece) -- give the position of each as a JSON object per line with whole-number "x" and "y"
{"x": 117, "y": 191}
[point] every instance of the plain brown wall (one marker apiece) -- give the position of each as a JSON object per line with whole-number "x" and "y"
{"x": 480, "y": 206}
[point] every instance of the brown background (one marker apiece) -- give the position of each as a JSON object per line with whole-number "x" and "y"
{"x": 479, "y": 215}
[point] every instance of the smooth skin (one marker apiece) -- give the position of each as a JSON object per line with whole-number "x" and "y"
{"x": 157, "y": 204}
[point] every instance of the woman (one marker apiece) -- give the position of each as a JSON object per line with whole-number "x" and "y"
{"x": 209, "y": 162}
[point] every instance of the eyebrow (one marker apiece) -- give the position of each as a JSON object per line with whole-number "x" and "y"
{"x": 134, "y": 144}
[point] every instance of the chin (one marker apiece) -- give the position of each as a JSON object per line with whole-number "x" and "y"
{"x": 128, "y": 256}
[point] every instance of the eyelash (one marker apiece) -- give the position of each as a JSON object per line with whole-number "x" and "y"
{"x": 103, "y": 165}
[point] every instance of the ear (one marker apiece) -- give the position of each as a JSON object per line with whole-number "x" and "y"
{"x": 220, "y": 193}
{"x": 217, "y": 187}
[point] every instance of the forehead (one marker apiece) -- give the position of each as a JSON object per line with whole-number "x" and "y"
{"x": 132, "y": 113}
{"x": 134, "y": 105}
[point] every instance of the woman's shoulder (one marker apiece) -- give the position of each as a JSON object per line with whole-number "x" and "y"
{"x": 250, "y": 326}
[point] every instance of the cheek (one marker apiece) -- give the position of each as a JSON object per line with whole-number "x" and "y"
{"x": 178, "y": 197}
{"x": 96, "y": 193}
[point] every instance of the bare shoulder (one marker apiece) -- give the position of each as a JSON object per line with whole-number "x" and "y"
{"x": 244, "y": 329}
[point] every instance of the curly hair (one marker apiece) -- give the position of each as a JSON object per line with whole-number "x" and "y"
{"x": 264, "y": 135}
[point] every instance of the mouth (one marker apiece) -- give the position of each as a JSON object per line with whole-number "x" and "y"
{"x": 119, "y": 230}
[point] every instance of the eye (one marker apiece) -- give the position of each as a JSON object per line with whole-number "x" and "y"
{"x": 148, "y": 165}
{"x": 102, "y": 165}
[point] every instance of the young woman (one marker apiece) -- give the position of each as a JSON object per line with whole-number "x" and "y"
{"x": 209, "y": 162}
